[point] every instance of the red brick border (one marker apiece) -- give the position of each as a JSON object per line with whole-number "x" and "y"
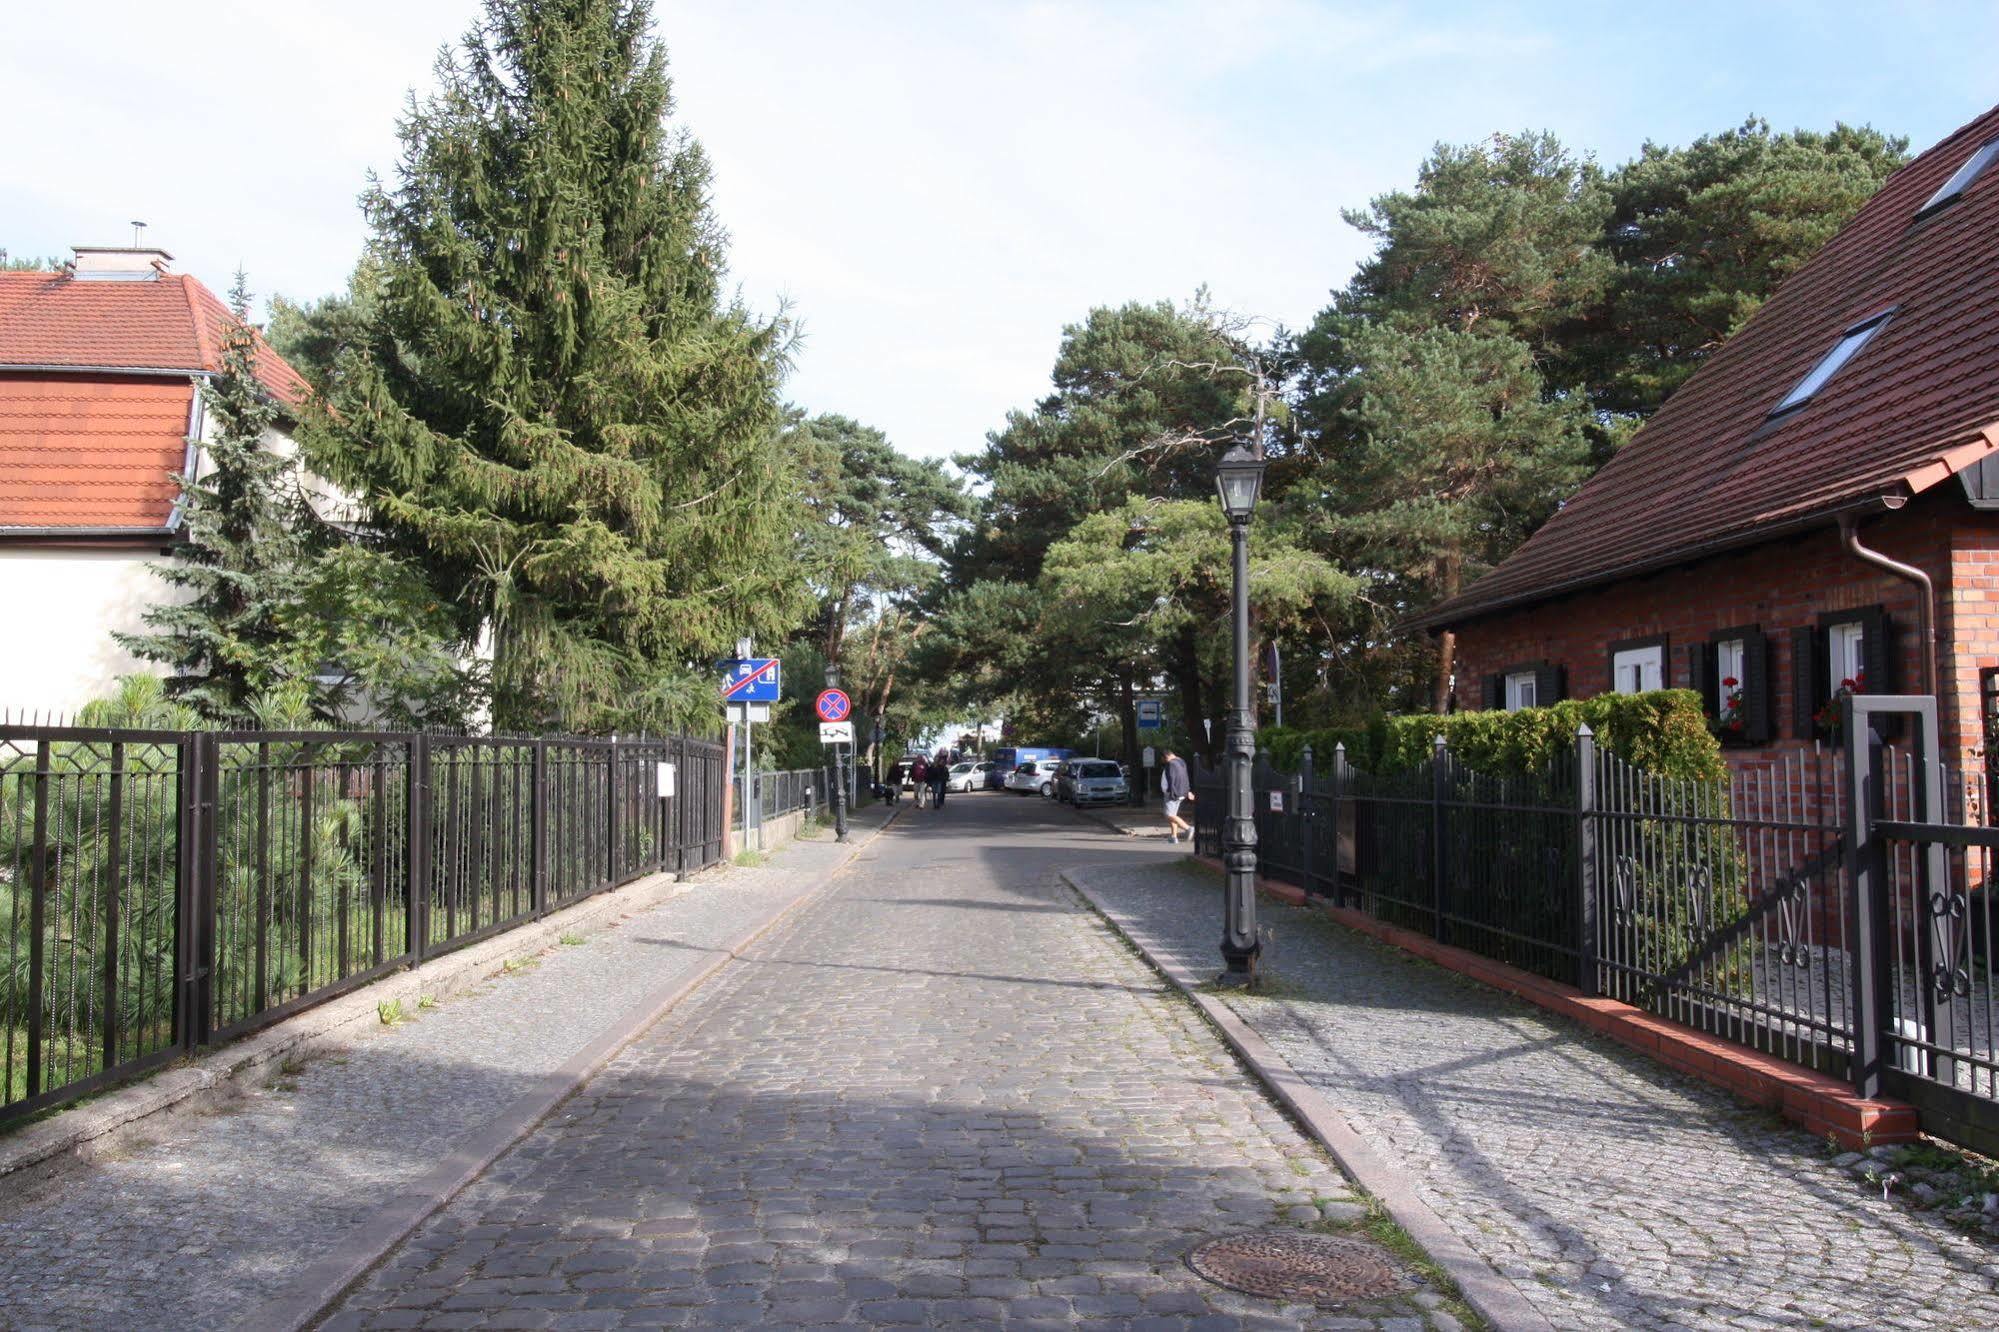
{"x": 1817, "y": 1102}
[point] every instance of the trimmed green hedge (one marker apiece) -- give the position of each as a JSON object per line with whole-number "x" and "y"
{"x": 1662, "y": 732}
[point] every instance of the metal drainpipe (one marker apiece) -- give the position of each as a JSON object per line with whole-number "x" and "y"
{"x": 1849, "y": 535}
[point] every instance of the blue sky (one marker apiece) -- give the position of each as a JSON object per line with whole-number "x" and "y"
{"x": 936, "y": 189}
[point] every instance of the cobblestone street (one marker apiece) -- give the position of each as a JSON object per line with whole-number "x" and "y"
{"x": 943, "y": 1093}
{"x": 1614, "y": 1192}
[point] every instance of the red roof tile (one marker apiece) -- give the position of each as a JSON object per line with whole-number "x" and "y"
{"x": 91, "y": 451}
{"x": 172, "y": 322}
{"x": 1710, "y": 469}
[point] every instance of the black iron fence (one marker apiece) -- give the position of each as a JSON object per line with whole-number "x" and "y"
{"x": 1746, "y": 908}
{"x": 161, "y": 890}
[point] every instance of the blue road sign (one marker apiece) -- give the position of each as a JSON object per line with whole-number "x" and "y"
{"x": 833, "y": 705}
{"x": 1151, "y": 713}
{"x": 750, "y": 680}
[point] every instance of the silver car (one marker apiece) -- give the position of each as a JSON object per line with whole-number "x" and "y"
{"x": 1092, "y": 782}
{"x": 1029, "y": 777}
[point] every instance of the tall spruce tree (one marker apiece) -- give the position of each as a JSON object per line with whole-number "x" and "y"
{"x": 552, "y": 405}
{"x": 241, "y": 565}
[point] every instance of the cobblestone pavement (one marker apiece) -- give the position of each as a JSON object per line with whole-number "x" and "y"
{"x": 943, "y": 1093}
{"x": 1614, "y": 1192}
{"x": 223, "y": 1210}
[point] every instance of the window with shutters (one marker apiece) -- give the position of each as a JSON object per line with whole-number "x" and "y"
{"x": 1732, "y": 673}
{"x": 1638, "y": 665}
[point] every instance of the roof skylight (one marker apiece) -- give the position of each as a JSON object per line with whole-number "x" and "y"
{"x": 1960, "y": 180}
{"x": 1848, "y": 347}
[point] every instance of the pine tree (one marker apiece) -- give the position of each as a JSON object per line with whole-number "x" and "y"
{"x": 241, "y": 562}
{"x": 1701, "y": 236}
{"x": 552, "y": 408}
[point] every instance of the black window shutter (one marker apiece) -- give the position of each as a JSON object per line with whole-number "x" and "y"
{"x": 1807, "y": 689}
{"x": 1756, "y": 709}
{"x": 1700, "y": 677}
{"x": 1547, "y": 684}
{"x": 1877, "y": 651}
{"x": 1495, "y": 692}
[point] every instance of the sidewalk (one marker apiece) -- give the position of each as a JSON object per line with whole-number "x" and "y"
{"x": 1613, "y": 1192}
{"x": 228, "y": 1212}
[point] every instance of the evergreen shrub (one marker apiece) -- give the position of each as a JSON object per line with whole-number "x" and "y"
{"x": 1662, "y": 732}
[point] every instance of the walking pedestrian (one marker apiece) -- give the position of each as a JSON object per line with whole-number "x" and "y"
{"x": 919, "y": 777}
{"x": 1173, "y": 784}
{"x": 940, "y": 777}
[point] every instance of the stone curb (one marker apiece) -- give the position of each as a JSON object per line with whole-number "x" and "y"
{"x": 1496, "y": 1299}
{"x": 329, "y": 1277}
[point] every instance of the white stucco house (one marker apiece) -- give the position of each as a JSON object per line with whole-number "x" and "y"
{"x": 102, "y": 367}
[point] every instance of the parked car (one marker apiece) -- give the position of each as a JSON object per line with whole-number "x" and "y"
{"x": 968, "y": 777}
{"x": 1091, "y": 782}
{"x": 1029, "y": 778}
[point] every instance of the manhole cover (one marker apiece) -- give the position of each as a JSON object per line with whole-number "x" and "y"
{"x": 1296, "y": 1265}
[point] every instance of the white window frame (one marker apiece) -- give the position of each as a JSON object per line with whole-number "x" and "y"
{"x": 1730, "y": 655}
{"x": 1520, "y": 690}
{"x": 1638, "y": 670}
{"x": 1845, "y": 653}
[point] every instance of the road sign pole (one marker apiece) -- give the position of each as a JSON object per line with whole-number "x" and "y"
{"x": 832, "y": 702}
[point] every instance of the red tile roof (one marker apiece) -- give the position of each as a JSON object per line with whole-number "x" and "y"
{"x": 172, "y": 322}
{"x": 83, "y": 447}
{"x": 1711, "y": 469}
{"x": 91, "y": 451}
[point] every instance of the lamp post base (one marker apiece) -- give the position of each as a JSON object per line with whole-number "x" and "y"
{"x": 1240, "y": 973}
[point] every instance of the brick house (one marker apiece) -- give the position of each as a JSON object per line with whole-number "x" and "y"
{"x": 102, "y": 368}
{"x": 1819, "y": 503}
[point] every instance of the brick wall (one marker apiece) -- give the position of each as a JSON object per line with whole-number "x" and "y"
{"x": 1777, "y": 587}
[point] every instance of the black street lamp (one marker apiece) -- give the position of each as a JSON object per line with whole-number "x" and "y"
{"x": 1238, "y": 480}
{"x": 839, "y": 767}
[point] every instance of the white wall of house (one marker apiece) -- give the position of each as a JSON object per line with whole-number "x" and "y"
{"x": 59, "y": 608}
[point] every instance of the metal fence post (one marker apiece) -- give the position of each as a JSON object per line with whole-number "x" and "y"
{"x": 683, "y": 777}
{"x": 1440, "y": 783}
{"x": 114, "y": 859}
{"x": 38, "y": 886}
{"x": 1866, "y": 873}
{"x": 1306, "y": 839}
{"x": 1339, "y": 817}
{"x": 416, "y": 801}
{"x": 614, "y": 863}
{"x": 308, "y": 776}
{"x": 538, "y": 826}
{"x": 196, "y": 899}
{"x": 1587, "y": 832}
